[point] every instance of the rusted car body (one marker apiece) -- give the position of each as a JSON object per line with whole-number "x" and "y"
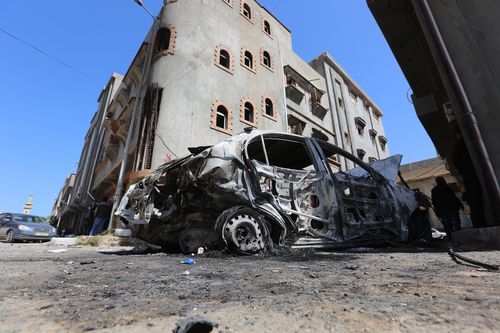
{"x": 260, "y": 190}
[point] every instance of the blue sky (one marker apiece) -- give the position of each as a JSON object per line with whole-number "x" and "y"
{"x": 46, "y": 107}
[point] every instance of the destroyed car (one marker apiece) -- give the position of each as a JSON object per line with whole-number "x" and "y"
{"x": 261, "y": 190}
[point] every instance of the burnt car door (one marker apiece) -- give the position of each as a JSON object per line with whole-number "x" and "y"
{"x": 365, "y": 197}
{"x": 289, "y": 174}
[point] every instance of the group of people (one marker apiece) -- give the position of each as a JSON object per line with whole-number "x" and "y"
{"x": 97, "y": 217}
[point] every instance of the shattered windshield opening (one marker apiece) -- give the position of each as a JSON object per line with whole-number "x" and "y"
{"x": 281, "y": 153}
{"x": 333, "y": 155}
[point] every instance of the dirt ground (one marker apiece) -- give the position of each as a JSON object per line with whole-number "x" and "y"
{"x": 364, "y": 290}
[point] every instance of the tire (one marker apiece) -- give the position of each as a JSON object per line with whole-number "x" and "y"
{"x": 243, "y": 230}
{"x": 9, "y": 236}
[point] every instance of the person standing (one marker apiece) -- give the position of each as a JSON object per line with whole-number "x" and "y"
{"x": 89, "y": 217}
{"x": 420, "y": 232}
{"x": 102, "y": 213}
{"x": 446, "y": 206}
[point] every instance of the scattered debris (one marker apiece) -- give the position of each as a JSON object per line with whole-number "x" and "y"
{"x": 47, "y": 306}
{"x": 57, "y": 251}
{"x": 68, "y": 241}
{"x": 67, "y": 272}
{"x": 87, "y": 262}
{"x": 123, "y": 232}
{"x": 195, "y": 324}
{"x": 188, "y": 261}
{"x": 351, "y": 267}
{"x": 185, "y": 273}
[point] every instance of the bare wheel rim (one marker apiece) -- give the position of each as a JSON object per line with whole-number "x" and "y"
{"x": 244, "y": 232}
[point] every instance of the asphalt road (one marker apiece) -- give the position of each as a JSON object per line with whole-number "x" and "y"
{"x": 369, "y": 290}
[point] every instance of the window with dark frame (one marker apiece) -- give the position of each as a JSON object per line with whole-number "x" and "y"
{"x": 267, "y": 27}
{"x": 266, "y": 59}
{"x": 221, "y": 117}
{"x": 224, "y": 59}
{"x": 269, "y": 107}
{"x": 248, "y": 59}
{"x": 162, "y": 41}
{"x": 247, "y": 12}
{"x": 249, "y": 112}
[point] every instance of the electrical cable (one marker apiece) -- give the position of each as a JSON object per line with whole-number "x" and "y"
{"x": 455, "y": 256}
{"x": 46, "y": 54}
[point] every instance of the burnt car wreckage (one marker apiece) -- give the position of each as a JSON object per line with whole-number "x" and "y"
{"x": 259, "y": 190}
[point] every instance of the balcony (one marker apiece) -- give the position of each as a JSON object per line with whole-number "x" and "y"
{"x": 293, "y": 93}
{"x": 318, "y": 110}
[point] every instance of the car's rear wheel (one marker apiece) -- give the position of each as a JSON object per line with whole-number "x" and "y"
{"x": 9, "y": 236}
{"x": 243, "y": 230}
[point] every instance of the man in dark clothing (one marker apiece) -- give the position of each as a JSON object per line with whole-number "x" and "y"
{"x": 102, "y": 213}
{"x": 420, "y": 232}
{"x": 89, "y": 217}
{"x": 446, "y": 206}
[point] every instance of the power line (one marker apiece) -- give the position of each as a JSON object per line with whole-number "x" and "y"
{"x": 45, "y": 54}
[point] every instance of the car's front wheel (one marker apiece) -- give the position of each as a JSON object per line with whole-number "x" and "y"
{"x": 243, "y": 230}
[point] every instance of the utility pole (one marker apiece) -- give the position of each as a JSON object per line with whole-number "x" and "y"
{"x": 130, "y": 135}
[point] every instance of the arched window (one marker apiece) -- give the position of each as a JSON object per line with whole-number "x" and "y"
{"x": 162, "y": 41}
{"x": 248, "y": 59}
{"x": 266, "y": 59}
{"x": 267, "y": 27}
{"x": 247, "y": 12}
{"x": 221, "y": 119}
{"x": 248, "y": 112}
{"x": 224, "y": 59}
{"x": 269, "y": 107}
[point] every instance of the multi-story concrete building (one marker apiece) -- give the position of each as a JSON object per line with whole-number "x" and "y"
{"x": 61, "y": 203}
{"x": 208, "y": 70}
{"x": 78, "y": 186}
{"x": 356, "y": 119}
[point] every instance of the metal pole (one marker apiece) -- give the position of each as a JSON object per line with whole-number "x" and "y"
{"x": 123, "y": 168}
{"x": 139, "y": 2}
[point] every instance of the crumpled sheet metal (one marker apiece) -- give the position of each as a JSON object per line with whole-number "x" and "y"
{"x": 209, "y": 182}
{"x": 388, "y": 168}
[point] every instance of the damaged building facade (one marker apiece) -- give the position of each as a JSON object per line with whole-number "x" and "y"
{"x": 208, "y": 70}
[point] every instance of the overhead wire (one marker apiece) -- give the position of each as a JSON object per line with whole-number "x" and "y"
{"x": 45, "y": 54}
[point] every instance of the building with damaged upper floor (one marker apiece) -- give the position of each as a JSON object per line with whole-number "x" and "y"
{"x": 213, "y": 69}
